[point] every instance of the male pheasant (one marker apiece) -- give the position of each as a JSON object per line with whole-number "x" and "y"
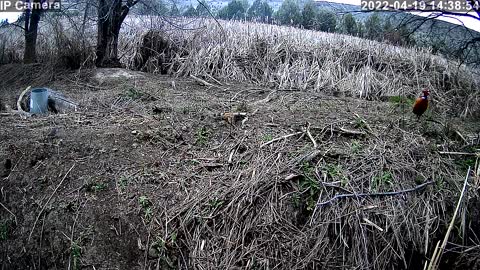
{"x": 421, "y": 104}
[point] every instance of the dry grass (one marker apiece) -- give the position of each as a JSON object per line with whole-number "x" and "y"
{"x": 268, "y": 55}
{"x": 290, "y": 58}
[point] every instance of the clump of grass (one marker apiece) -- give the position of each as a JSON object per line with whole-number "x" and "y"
{"x": 146, "y": 206}
{"x": 133, "y": 93}
{"x": 267, "y": 138}
{"x": 401, "y": 100}
{"x": 164, "y": 249}
{"x": 4, "y": 230}
{"x": 355, "y": 146}
{"x": 215, "y": 203}
{"x": 309, "y": 188}
{"x": 202, "y": 135}
{"x": 76, "y": 253}
{"x": 123, "y": 182}
{"x": 96, "y": 186}
{"x": 382, "y": 181}
{"x": 336, "y": 173}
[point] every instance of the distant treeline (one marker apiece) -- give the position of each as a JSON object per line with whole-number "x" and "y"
{"x": 291, "y": 13}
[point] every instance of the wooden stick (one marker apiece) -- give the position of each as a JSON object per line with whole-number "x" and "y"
{"x": 438, "y": 255}
{"x": 211, "y": 77}
{"x": 203, "y": 82}
{"x": 434, "y": 255}
{"x": 461, "y": 136}
{"x": 45, "y": 205}
{"x": 369, "y": 222}
{"x": 10, "y": 212}
{"x": 280, "y": 138}
{"x": 307, "y": 130}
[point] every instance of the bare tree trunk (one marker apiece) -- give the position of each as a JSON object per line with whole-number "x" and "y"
{"x": 111, "y": 14}
{"x": 32, "y": 18}
{"x": 85, "y": 17}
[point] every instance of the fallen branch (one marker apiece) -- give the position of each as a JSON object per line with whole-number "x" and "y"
{"x": 10, "y": 212}
{"x": 371, "y": 223}
{"x": 342, "y": 130}
{"x": 45, "y": 205}
{"x": 461, "y": 136}
{"x": 203, "y": 82}
{"x": 215, "y": 80}
{"x": 280, "y": 138}
{"x": 307, "y": 130}
{"x": 362, "y": 195}
{"x": 434, "y": 262}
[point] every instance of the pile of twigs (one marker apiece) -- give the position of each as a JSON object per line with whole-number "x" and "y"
{"x": 342, "y": 195}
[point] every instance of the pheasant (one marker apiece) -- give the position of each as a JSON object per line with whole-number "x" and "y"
{"x": 421, "y": 104}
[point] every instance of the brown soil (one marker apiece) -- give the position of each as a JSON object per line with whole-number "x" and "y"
{"x": 139, "y": 146}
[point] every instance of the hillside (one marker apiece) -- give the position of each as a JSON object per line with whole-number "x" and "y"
{"x": 147, "y": 175}
{"x": 447, "y": 38}
{"x": 236, "y": 145}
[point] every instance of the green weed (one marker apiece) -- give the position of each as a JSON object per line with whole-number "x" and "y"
{"x": 464, "y": 163}
{"x": 186, "y": 110}
{"x": 309, "y": 188}
{"x": 360, "y": 123}
{"x": 215, "y": 203}
{"x": 242, "y": 107}
{"x": 336, "y": 173}
{"x": 76, "y": 252}
{"x": 144, "y": 202}
{"x": 384, "y": 179}
{"x": 267, "y": 138}
{"x": 163, "y": 248}
{"x": 4, "y": 228}
{"x": 123, "y": 182}
{"x": 146, "y": 205}
{"x": 133, "y": 93}
{"x": 96, "y": 186}
{"x": 355, "y": 146}
{"x": 401, "y": 100}
{"x": 202, "y": 135}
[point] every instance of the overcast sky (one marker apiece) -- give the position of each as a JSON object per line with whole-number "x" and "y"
{"x": 468, "y": 22}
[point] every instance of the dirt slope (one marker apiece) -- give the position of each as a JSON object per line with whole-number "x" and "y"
{"x": 147, "y": 175}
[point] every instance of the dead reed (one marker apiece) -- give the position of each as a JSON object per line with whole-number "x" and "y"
{"x": 291, "y": 58}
